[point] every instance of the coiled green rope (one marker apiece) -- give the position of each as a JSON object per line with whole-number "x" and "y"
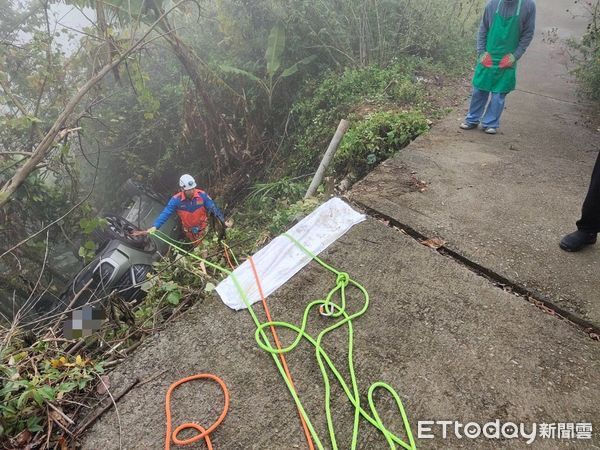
{"x": 343, "y": 280}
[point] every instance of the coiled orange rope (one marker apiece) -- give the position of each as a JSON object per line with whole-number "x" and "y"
{"x": 203, "y": 433}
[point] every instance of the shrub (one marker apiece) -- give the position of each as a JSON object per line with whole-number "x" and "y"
{"x": 318, "y": 113}
{"x": 33, "y": 377}
{"x": 376, "y": 138}
{"x": 588, "y": 56}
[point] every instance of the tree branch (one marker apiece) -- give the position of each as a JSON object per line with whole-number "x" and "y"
{"x": 13, "y": 99}
{"x": 17, "y": 153}
{"x": 47, "y": 142}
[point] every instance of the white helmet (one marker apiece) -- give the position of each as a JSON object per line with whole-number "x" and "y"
{"x": 187, "y": 182}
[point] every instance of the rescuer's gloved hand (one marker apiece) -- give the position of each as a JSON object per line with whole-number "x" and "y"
{"x": 151, "y": 230}
{"x": 508, "y": 61}
{"x": 486, "y": 59}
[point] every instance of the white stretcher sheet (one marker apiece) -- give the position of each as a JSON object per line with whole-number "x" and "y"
{"x": 281, "y": 259}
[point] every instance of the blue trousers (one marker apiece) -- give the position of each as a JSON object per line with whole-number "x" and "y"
{"x": 479, "y": 101}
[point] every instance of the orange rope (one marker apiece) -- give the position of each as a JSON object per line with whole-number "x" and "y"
{"x": 228, "y": 258}
{"x": 205, "y": 433}
{"x": 281, "y": 355}
{"x": 202, "y": 432}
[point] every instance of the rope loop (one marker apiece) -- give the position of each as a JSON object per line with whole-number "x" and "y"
{"x": 328, "y": 369}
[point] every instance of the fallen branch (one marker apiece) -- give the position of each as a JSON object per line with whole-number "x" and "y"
{"x": 61, "y": 414}
{"x": 17, "y": 153}
{"x": 77, "y": 432}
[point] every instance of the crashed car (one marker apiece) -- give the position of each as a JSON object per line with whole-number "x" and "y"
{"x": 123, "y": 261}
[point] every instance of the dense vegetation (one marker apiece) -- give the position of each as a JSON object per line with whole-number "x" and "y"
{"x": 245, "y": 95}
{"x": 587, "y": 56}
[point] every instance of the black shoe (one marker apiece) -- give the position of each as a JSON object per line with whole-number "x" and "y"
{"x": 576, "y": 241}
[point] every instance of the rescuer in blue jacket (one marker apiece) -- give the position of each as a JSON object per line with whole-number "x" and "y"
{"x": 193, "y": 207}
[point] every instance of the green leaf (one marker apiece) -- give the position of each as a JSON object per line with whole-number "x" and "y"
{"x": 8, "y": 410}
{"x": 47, "y": 393}
{"x": 66, "y": 387}
{"x": 33, "y": 119}
{"x": 64, "y": 149}
{"x": 169, "y": 286}
{"x": 275, "y": 47}
{"x": 89, "y": 245}
{"x": 15, "y": 385}
{"x": 174, "y": 297}
{"x": 23, "y": 399}
{"x": 33, "y": 424}
{"x": 293, "y": 69}
{"x": 38, "y": 398}
{"x": 236, "y": 71}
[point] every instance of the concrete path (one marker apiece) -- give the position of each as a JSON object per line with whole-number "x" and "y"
{"x": 454, "y": 344}
{"x": 505, "y": 201}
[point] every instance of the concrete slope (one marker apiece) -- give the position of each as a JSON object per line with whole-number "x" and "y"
{"x": 452, "y": 344}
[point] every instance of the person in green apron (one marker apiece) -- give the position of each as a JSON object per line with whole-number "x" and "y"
{"x": 506, "y": 30}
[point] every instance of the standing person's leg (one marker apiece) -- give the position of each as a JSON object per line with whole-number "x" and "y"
{"x": 491, "y": 119}
{"x": 590, "y": 213}
{"x": 479, "y": 99}
{"x": 588, "y": 226}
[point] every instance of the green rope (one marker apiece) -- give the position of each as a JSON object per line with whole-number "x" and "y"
{"x": 257, "y": 322}
{"x": 343, "y": 280}
{"x": 174, "y": 242}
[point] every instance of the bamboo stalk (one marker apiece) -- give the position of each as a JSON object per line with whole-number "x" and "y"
{"x": 333, "y": 145}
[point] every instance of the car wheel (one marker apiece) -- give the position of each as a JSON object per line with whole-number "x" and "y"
{"x": 136, "y": 188}
{"x": 129, "y": 286}
{"x": 96, "y": 277}
{"x": 120, "y": 229}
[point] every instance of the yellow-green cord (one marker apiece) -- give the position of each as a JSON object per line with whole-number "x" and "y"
{"x": 343, "y": 280}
